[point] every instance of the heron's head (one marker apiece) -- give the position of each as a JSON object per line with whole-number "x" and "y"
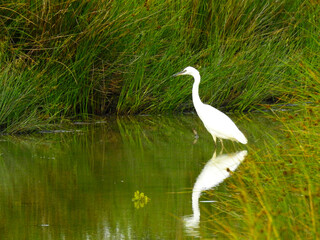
{"x": 187, "y": 71}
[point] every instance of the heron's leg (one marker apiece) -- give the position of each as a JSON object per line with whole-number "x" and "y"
{"x": 214, "y": 154}
{"x": 222, "y": 146}
{"x": 215, "y": 140}
{"x": 196, "y": 136}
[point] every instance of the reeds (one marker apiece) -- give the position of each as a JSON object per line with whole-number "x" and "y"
{"x": 81, "y": 58}
{"x": 275, "y": 192}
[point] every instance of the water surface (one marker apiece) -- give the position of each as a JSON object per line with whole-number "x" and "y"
{"x": 79, "y": 183}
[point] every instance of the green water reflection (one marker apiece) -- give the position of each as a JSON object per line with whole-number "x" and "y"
{"x": 80, "y": 184}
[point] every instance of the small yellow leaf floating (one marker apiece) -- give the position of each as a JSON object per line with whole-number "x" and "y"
{"x": 140, "y": 200}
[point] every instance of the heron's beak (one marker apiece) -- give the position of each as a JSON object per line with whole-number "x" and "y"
{"x": 179, "y": 73}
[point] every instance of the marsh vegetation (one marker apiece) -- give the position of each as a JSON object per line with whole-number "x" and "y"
{"x": 77, "y": 59}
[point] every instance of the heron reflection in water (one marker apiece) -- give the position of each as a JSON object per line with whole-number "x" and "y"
{"x": 216, "y": 170}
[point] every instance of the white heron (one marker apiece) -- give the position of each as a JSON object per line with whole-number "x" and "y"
{"x": 218, "y": 124}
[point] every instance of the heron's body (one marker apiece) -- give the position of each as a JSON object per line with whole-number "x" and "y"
{"x": 218, "y": 124}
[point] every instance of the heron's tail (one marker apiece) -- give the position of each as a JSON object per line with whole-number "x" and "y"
{"x": 241, "y": 138}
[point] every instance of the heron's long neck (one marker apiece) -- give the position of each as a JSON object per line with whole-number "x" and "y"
{"x": 195, "y": 90}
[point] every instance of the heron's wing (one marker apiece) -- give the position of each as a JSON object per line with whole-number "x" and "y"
{"x": 217, "y": 122}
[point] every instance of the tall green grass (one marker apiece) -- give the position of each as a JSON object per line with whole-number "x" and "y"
{"x": 274, "y": 194}
{"x": 83, "y": 58}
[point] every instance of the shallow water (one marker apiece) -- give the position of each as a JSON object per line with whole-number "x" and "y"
{"x": 79, "y": 183}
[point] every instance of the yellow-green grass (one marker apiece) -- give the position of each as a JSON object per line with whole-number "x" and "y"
{"x": 275, "y": 192}
{"x": 75, "y": 59}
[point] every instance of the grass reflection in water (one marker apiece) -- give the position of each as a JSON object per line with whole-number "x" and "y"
{"x": 81, "y": 183}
